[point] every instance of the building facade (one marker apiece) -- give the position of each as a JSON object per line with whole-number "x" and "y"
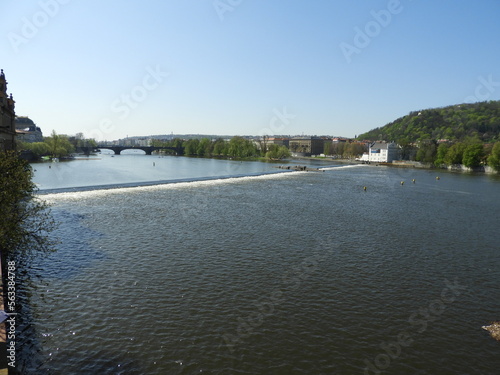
{"x": 307, "y": 146}
{"x": 7, "y": 117}
{"x": 382, "y": 152}
{"x": 265, "y": 142}
{"x": 27, "y": 131}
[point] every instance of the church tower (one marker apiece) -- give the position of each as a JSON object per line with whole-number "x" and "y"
{"x": 7, "y": 117}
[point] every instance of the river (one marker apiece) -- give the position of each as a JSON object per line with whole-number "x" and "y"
{"x": 283, "y": 273}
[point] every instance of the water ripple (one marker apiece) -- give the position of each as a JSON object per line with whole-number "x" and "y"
{"x": 254, "y": 275}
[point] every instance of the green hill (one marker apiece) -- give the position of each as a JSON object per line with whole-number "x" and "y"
{"x": 463, "y": 122}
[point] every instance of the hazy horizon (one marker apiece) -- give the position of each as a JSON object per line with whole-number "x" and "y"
{"x": 240, "y": 67}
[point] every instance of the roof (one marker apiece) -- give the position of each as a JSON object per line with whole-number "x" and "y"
{"x": 381, "y": 145}
{"x": 305, "y": 138}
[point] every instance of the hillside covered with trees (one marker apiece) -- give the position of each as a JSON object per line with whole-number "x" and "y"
{"x": 456, "y": 123}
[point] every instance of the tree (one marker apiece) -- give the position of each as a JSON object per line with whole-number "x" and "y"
{"x": 441, "y": 154}
{"x": 37, "y": 148}
{"x": 327, "y": 148}
{"x": 427, "y": 151}
{"x": 284, "y": 152}
{"x": 455, "y": 154}
{"x": 494, "y": 158}
{"x": 263, "y": 144}
{"x": 473, "y": 155}
{"x": 353, "y": 150}
{"x": 205, "y": 147}
{"x": 407, "y": 148}
{"x": 463, "y": 122}
{"x": 337, "y": 149}
{"x": 59, "y": 145}
{"x": 158, "y": 143}
{"x": 240, "y": 147}
{"x": 220, "y": 148}
{"x": 272, "y": 151}
{"x": 25, "y": 220}
{"x": 277, "y": 152}
{"x": 191, "y": 147}
{"x": 78, "y": 140}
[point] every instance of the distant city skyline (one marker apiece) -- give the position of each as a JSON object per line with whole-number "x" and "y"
{"x": 116, "y": 69}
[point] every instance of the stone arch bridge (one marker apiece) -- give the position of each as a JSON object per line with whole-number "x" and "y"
{"x": 147, "y": 149}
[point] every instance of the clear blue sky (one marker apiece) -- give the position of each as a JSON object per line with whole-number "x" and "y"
{"x": 113, "y": 68}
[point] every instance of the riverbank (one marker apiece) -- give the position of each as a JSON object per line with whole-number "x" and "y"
{"x": 326, "y": 158}
{"x": 452, "y": 168}
{"x": 411, "y": 164}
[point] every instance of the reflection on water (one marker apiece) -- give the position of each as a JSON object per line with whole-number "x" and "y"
{"x": 107, "y": 169}
{"x": 296, "y": 273}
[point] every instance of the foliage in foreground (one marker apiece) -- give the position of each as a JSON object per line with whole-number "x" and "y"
{"x": 25, "y": 220}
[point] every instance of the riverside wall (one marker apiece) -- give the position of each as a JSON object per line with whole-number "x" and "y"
{"x": 453, "y": 168}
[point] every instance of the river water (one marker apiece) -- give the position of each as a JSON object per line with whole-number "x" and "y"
{"x": 287, "y": 273}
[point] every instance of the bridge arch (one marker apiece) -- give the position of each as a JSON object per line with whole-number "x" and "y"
{"x": 125, "y": 149}
{"x": 147, "y": 149}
